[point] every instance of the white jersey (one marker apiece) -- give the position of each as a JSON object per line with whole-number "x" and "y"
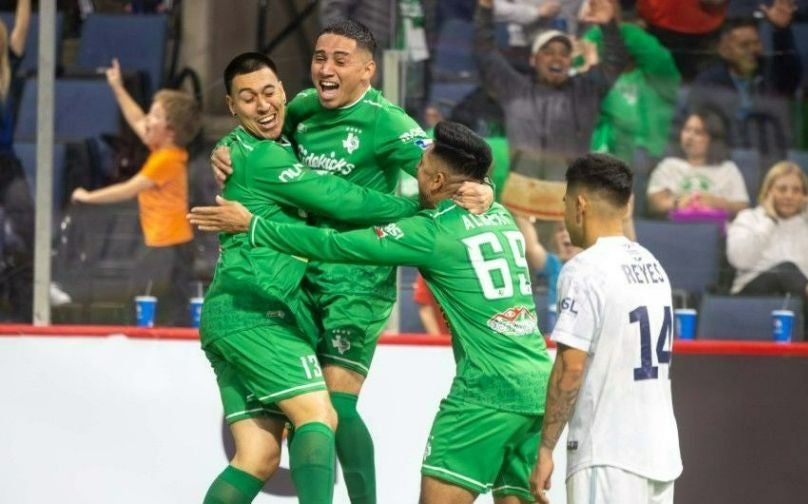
{"x": 615, "y": 304}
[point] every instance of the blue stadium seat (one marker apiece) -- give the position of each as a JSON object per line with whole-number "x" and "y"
{"x": 26, "y": 152}
{"x": 689, "y": 252}
{"x": 744, "y": 318}
{"x": 453, "y": 52}
{"x": 749, "y": 162}
{"x": 800, "y": 157}
{"x": 139, "y": 43}
{"x": 83, "y": 108}
{"x": 31, "y": 56}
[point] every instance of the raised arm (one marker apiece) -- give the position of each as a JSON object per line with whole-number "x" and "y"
{"x": 615, "y": 57}
{"x": 498, "y": 77}
{"x": 132, "y": 112}
{"x": 19, "y": 34}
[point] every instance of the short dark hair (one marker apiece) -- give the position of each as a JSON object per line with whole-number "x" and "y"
{"x": 353, "y": 30}
{"x": 245, "y": 63}
{"x": 604, "y": 174}
{"x": 716, "y": 126}
{"x": 735, "y": 22}
{"x": 462, "y": 150}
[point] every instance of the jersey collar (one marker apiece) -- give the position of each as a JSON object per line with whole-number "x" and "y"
{"x": 358, "y": 100}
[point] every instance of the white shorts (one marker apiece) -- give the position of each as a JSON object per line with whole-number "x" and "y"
{"x": 610, "y": 485}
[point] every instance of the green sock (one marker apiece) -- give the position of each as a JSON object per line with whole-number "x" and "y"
{"x": 233, "y": 486}
{"x": 311, "y": 460}
{"x": 354, "y": 450}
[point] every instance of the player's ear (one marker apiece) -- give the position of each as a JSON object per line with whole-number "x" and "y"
{"x": 370, "y": 68}
{"x": 581, "y": 206}
{"x": 229, "y": 102}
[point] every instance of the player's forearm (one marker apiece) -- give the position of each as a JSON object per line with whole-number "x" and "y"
{"x": 562, "y": 393}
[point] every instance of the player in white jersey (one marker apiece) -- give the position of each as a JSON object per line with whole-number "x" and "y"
{"x": 611, "y": 377}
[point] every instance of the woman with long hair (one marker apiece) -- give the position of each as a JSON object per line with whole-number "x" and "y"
{"x": 702, "y": 176}
{"x": 768, "y": 244}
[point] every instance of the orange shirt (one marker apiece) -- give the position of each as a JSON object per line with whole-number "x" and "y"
{"x": 163, "y": 206}
{"x": 683, "y": 16}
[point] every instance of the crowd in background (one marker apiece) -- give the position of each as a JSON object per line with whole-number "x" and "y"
{"x": 682, "y": 90}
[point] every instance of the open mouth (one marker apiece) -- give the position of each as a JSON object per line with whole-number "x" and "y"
{"x": 328, "y": 90}
{"x": 268, "y": 122}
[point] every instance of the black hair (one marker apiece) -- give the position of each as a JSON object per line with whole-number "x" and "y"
{"x": 716, "y": 127}
{"x": 733, "y": 23}
{"x": 353, "y": 30}
{"x": 604, "y": 174}
{"x": 462, "y": 150}
{"x": 245, "y": 63}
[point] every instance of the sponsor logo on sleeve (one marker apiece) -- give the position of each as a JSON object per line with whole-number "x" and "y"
{"x": 516, "y": 321}
{"x": 391, "y": 230}
{"x": 413, "y": 134}
{"x": 291, "y": 173}
{"x": 423, "y": 143}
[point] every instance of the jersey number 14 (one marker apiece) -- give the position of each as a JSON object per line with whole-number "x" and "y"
{"x": 494, "y": 275}
{"x": 647, "y": 371}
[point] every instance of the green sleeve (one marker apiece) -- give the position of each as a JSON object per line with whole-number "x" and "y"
{"x": 399, "y": 141}
{"x": 408, "y": 242}
{"x": 228, "y": 139}
{"x": 303, "y": 105}
{"x": 326, "y": 195}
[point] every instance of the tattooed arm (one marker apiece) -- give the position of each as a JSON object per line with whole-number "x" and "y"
{"x": 562, "y": 392}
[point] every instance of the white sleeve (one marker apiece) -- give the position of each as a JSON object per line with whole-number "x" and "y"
{"x": 578, "y": 310}
{"x": 748, "y": 236}
{"x": 515, "y": 12}
{"x": 736, "y": 187}
{"x": 663, "y": 177}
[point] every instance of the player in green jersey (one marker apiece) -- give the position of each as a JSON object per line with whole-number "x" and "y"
{"x": 484, "y": 436}
{"x": 345, "y": 127}
{"x": 256, "y": 328}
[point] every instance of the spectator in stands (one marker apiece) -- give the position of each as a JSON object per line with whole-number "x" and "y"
{"x": 702, "y": 176}
{"x": 16, "y": 203}
{"x": 689, "y": 28}
{"x": 563, "y": 251}
{"x": 428, "y": 308}
{"x": 636, "y": 115}
{"x": 432, "y": 116}
{"x": 768, "y": 244}
{"x": 161, "y": 187}
{"x": 550, "y": 119}
{"x": 752, "y": 91}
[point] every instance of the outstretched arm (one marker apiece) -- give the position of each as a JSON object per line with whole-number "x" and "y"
{"x": 19, "y": 34}
{"x": 132, "y": 112}
{"x": 114, "y": 193}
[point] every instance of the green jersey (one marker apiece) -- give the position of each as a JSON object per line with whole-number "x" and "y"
{"x": 255, "y": 287}
{"x": 475, "y": 266}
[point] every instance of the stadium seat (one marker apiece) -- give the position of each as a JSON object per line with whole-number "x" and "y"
{"x": 800, "y": 157}
{"x": 749, "y": 162}
{"x": 83, "y": 108}
{"x": 744, "y": 318}
{"x": 689, "y": 252}
{"x": 26, "y": 152}
{"x": 30, "y": 59}
{"x": 453, "y": 52}
{"x": 139, "y": 43}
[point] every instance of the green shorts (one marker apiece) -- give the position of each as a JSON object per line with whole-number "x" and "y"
{"x": 481, "y": 449}
{"x": 351, "y": 329}
{"x": 258, "y": 367}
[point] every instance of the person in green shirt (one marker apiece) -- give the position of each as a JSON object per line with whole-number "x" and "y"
{"x": 346, "y": 128}
{"x": 256, "y": 328}
{"x": 486, "y": 432}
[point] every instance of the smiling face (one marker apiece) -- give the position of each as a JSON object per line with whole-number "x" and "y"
{"x": 788, "y": 195}
{"x": 259, "y": 101}
{"x": 340, "y": 70}
{"x": 553, "y": 62}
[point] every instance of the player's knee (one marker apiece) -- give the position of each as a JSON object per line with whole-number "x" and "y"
{"x": 260, "y": 463}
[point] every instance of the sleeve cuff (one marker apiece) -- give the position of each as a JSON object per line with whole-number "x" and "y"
{"x": 253, "y": 224}
{"x": 571, "y": 340}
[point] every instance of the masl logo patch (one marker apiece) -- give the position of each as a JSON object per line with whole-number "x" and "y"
{"x": 516, "y": 321}
{"x": 391, "y": 230}
{"x": 423, "y": 143}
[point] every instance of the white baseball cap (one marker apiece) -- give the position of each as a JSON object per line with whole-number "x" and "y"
{"x": 545, "y": 37}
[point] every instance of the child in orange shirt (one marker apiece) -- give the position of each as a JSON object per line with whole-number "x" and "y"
{"x": 161, "y": 187}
